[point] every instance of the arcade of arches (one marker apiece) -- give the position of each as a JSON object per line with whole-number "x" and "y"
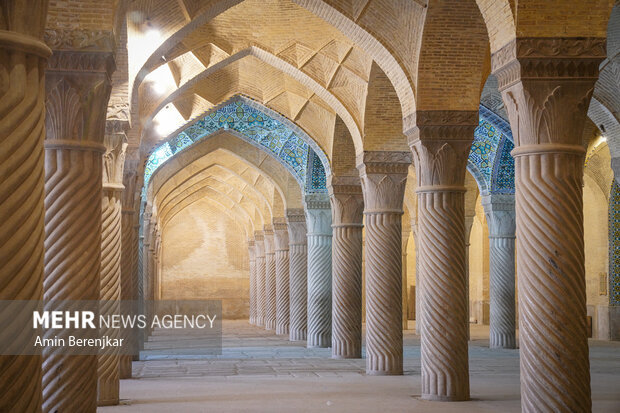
{"x": 423, "y": 189}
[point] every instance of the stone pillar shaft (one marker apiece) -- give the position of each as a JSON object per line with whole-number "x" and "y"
{"x": 108, "y": 385}
{"x": 129, "y": 242}
{"x": 22, "y": 113}
{"x": 282, "y": 276}
{"x": 259, "y": 242}
{"x": 108, "y": 375}
{"x": 72, "y": 265}
{"x": 298, "y": 267}
{"x": 318, "y": 218}
{"x": 500, "y": 215}
{"x": 552, "y": 300}
{"x": 252, "y": 255}
{"x": 405, "y": 293}
{"x": 440, "y": 144}
{"x": 270, "y": 281}
{"x": 347, "y": 223}
{"x": 445, "y": 373}
{"x": 383, "y": 176}
{"x": 129, "y": 257}
{"x": 547, "y": 94}
{"x": 73, "y": 200}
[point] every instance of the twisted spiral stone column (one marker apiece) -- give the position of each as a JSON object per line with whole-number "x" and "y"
{"x": 440, "y": 145}
{"x": 72, "y": 264}
{"x": 270, "y": 281}
{"x": 383, "y": 176}
{"x": 500, "y": 214}
{"x": 108, "y": 384}
{"x": 282, "y": 277}
{"x": 547, "y": 107}
{"x": 418, "y": 321}
{"x": 347, "y": 224}
{"x": 445, "y": 368}
{"x": 252, "y": 255}
{"x": 140, "y": 266}
{"x": 318, "y": 218}
{"x": 22, "y": 113}
{"x": 73, "y": 200}
{"x": 405, "y": 239}
{"x": 128, "y": 239}
{"x": 552, "y": 300}
{"x": 108, "y": 363}
{"x": 298, "y": 267}
{"x": 259, "y": 242}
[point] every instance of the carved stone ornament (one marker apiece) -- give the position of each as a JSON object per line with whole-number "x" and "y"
{"x": 546, "y": 58}
{"x": 444, "y": 124}
{"x": 79, "y": 39}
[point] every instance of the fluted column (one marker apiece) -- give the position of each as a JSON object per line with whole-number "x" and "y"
{"x": 500, "y": 214}
{"x": 405, "y": 239}
{"x": 128, "y": 293}
{"x": 319, "y": 220}
{"x": 418, "y": 321}
{"x": 298, "y": 273}
{"x": 270, "y": 280}
{"x": 108, "y": 379}
{"x": 145, "y": 247}
{"x": 77, "y": 89}
{"x": 347, "y": 222}
{"x": 252, "y": 255}
{"x": 282, "y": 276}
{"x": 383, "y": 176}
{"x": 129, "y": 256}
{"x": 22, "y": 111}
{"x": 546, "y": 85}
{"x": 440, "y": 143}
{"x": 259, "y": 245}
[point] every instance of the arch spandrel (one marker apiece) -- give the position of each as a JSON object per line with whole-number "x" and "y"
{"x": 508, "y": 19}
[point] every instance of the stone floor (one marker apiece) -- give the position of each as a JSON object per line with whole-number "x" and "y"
{"x": 261, "y": 372}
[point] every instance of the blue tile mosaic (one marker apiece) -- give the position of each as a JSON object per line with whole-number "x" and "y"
{"x": 489, "y": 159}
{"x": 262, "y": 130}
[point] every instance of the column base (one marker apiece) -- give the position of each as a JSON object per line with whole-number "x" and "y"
{"x": 383, "y": 373}
{"x": 438, "y": 398}
{"x": 318, "y": 346}
{"x": 346, "y": 356}
{"x": 110, "y": 402}
{"x": 502, "y": 342}
{"x": 282, "y": 330}
{"x": 297, "y": 336}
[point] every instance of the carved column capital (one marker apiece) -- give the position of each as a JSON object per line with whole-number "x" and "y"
{"x": 259, "y": 243}
{"x": 296, "y": 219}
{"x": 280, "y": 234}
{"x": 81, "y": 50}
{"x": 547, "y": 84}
{"x": 77, "y": 83}
{"x": 114, "y": 161}
{"x": 347, "y": 200}
{"x": 269, "y": 241}
{"x": 318, "y": 214}
{"x": 440, "y": 144}
{"x": 549, "y": 57}
{"x": 501, "y": 216}
{"x": 251, "y": 250}
{"x": 383, "y": 176}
